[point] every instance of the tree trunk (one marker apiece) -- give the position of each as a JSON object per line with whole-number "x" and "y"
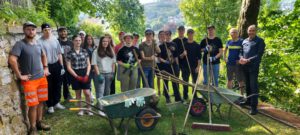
{"x": 248, "y": 16}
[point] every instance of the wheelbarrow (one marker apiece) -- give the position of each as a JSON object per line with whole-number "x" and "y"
{"x": 134, "y": 104}
{"x": 199, "y": 104}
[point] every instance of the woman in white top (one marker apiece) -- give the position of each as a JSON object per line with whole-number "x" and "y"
{"x": 103, "y": 61}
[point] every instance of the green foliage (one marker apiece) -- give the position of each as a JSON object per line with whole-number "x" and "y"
{"x": 16, "y": 15}
{"x": 221, "y": 13}
{"x": 92, "y": 28}
{"x": 123, "y": 15}
{"x": 279, "y": 78}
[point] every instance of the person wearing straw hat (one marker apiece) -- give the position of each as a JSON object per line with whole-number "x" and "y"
{"x": 127, "y": 62}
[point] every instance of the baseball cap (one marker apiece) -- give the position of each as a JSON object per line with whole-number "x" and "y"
{"x": 211, "y": 26}
{"x": 61, "y": 28}
{"x": 190, "y": 31}
{"x": 81, "y": 32}
{"x": 149, "y": 31}
{"x": 45, "y": 25}
{"x": 181, "y": 27}
{"x": 27, "y": 24}
{"x": 127, "y": 35}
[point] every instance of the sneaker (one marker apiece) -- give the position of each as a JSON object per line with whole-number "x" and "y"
{"x": 59, "y": 106}
{"x": 80, "y": 113}
{"x": 33, "y": 131}
{"x": 50, "y": 110}
{"x": 90, "y": 113}
{"x": 102, "y": 113}
{"x": 42, "y": 126}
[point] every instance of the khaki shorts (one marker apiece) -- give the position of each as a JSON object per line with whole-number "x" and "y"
{"x": 235, "y": 71}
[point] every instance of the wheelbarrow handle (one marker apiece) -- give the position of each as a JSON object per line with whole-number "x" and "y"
{"x": 76, "y": 109}
{"x": 74, "y": 100}
{"x": 95, "y": 107}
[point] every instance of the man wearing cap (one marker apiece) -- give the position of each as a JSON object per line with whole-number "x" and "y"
{"x": 66, "y": 45}
{"x": 128, "y": 64}
{"x": 55, "y": 63}
{"x": 136, "y": 38}
{"x": 192, "y": 53}
{"x": 82, "y": 36}
{"x": 29, "y": 62}
{"x": 250, "y": 57}
{"x": 213, "y": 46}
{"x": 169, "y": 62}
{"x": 148, "y": 51}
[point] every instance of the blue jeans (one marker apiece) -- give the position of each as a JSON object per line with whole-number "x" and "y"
{"x": 149, "y": 76}
{"x": 216, "y": 70}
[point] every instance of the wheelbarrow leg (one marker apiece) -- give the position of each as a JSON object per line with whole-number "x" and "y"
{"x": 126, "y": 127}
{"x": 121, "y": 123}
{"x": 111, "y": 123}
{"x": 229, "y": 112}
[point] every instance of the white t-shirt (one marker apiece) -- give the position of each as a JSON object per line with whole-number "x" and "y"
{"x": 104, "y": 64}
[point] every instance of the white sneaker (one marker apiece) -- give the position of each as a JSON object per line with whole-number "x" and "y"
{"x": 80, "y": 113}
{"x": 50, "y": 110}
{"x": 59, "y": 106}
{"x": 102, "y": 113}
{"x": 90, "y": 113}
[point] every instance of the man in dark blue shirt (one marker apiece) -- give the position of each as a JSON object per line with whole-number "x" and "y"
{"x": 169, "y": 62}
{"x": 250, "y": 58}
{"x": 234, "y": 69}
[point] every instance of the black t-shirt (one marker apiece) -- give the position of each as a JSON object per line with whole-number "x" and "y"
{"x": 173, "y": 52}
{"x": 126, "y": 54}
{"x": 193, "y": 53}
{"x": 178, "y": 42}
{"x": 216, "y": 44}
{"x": 66, "y": 46}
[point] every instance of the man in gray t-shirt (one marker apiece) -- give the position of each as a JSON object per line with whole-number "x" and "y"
{"x": 55, "y": 63}
{"x": 27, "y": 59}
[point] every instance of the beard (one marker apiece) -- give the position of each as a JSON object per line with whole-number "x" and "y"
{"x": 30, "y": 36}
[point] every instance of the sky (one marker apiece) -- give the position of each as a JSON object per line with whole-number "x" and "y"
{"x": 146, "y": 1}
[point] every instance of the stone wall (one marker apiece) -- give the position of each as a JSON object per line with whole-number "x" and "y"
{"x": 12, "y": 108}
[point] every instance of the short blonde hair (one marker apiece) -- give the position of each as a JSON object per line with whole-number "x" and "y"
{"x": 252, "y": 26}
{"x": 233, "y": 30}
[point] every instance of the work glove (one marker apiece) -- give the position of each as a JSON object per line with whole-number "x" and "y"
{"x": 212, "y": 59}
{"x": 167, "y": 62}
{"x": 135, "y": 64}
{"x": 79, "y": 78}
{"x": 207, "y": 49}
{"x": 100, "y": 78}
{"x": 85, "y": 79}
{"x": 126, "y": 65}
{"x": 62, "y": 71}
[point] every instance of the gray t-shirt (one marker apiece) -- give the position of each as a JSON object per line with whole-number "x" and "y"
{"x": 29, "y": 58}
{"x": 104, "y": 64}
{"x": 52, "y": 49}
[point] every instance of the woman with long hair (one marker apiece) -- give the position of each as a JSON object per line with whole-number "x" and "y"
{"x": 89, "y": 45}
{"x": 103, "y": 61}
{"x": 112, "y": 45}
{"x": 78, "y": 65}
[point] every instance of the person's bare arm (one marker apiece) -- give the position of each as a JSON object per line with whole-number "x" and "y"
{"x": 13, "y": 61}
{"x": 60, "y": 59}
{"x": 45, "y": 64}
{"x": 96, "y": 69}
{"x": 225, "y": 54}
{"x": 219, "y": 55}
{"x": 70, "y": 70}
{"x": 88, "y": 67}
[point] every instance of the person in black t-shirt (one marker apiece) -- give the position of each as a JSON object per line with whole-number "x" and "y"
{"x": 128, "y": 64}
{"x": 66, "y": 45}
{"x": 215, "y": 48}
{"x": 180, "y": 41}
{"x": 169, "y": 63}
{"x": 193, "y": 53}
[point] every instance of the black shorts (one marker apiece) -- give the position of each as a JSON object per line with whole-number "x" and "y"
{"x": 77, "y": 85}
{"x": 235, "y": 71}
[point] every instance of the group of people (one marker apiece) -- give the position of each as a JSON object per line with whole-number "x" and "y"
{"x": 46, "y": 64}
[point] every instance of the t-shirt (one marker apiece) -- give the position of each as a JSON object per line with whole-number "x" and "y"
{"x": 253, "y": 50}
{"x": 172, "y": 51}
{"x": 66, "y": 46}
{"x": 178, "y": 42}
{"x": 104, "y": 63}
{"x": 234, "y": 48}
{"x": 52, "y": 49}
{"x": 193, "y": 53}
{"x": 118, "y": 47}
{"x": 148, "y": 51}
{"x": 216, "y": 44}
{"x": 126, "y": 54}
{"x": 29, "y": 58}
{"x": 78, "y": 60}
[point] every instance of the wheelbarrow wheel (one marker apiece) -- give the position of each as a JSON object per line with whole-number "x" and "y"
{"x": 145, "y": 120}
{"x": 198, "y": 107}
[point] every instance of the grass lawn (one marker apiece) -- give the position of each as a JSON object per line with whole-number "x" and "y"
{"x": 68, "y": 123}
